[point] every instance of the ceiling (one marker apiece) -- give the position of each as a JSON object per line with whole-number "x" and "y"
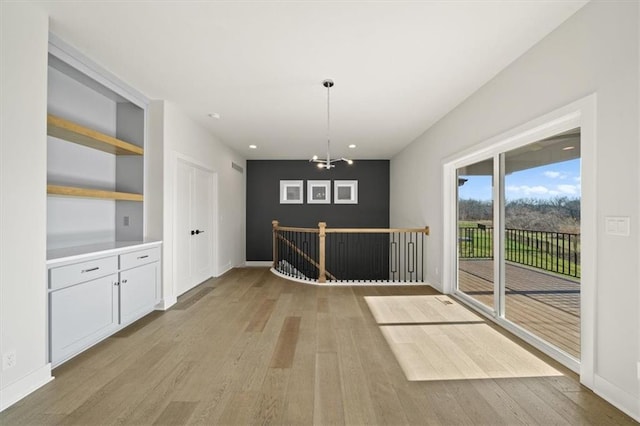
{"x": 398, "y": 66}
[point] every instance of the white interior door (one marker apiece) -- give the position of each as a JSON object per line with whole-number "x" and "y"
{"x": 182, "y": 252}
{"x": 193, "y": 255}
{"x": 201, "y": 220}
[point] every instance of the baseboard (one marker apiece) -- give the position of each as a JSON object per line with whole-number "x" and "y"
{"x": 624, "y": 401}
{"x": 258, "y": 263}
{"x": 166, "y": 303}
{"x": 23, "y": 387}
{"x": 224, "y": 269}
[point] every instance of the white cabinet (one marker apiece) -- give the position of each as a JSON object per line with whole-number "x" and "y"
{"x": 139, "y": 292}
{"x": 137, "y": 258}
{"x": 95, "y": 294}
{"x": 82, "y": 315}
{"x": 65, "y": 276}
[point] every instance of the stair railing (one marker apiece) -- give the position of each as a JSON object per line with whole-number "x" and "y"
{"x": 351, "y": 254}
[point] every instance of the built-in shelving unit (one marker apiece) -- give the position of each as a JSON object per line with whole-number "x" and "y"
{"x": 73, "y": 132}
{"x": 95, "y": 156}
{"x": 103, "y": 274}
{"x": 70, "y": 191}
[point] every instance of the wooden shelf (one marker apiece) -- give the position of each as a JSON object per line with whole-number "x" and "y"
{"x": 72, "y": 132}
{"x": 70, "y": 191}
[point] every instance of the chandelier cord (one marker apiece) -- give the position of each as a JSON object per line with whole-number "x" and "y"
{"x": 328, "y": 163}
{"x": 328, "y": 123}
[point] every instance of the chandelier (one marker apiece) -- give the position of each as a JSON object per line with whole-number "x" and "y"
{"x": 328, "y": 163}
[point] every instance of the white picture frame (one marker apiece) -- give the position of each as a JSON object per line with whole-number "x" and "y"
{"x": 345, "y": 192}
{"x": 291, "y": 192}
{"x": 318, "y": 192}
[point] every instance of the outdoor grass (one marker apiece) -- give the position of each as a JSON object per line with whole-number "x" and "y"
{"x": 478, "y": 243}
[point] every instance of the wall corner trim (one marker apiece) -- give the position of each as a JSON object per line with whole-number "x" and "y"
{"x": 166, "y": 303}
{"x": 223, "y": 269}
{"x": 23, "y": 387}
{"x": 621, "y": 399}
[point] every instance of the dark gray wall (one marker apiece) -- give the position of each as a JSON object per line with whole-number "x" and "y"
{"x": 263, "y": 199}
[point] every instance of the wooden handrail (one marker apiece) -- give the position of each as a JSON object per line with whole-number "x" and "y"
{"x": 294, "y": 229}
{"x": 275, "y": 223}
{"x": 424, "y": 230}
{"x": 305, "y": 256}
{"x": 322, "y": 232}
{"x": 322, "y": 236}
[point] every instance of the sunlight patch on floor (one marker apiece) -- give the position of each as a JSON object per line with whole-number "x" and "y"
{"x": 435, "y": 338}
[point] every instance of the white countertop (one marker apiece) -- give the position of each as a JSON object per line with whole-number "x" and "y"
{"x": 69, "y": 254}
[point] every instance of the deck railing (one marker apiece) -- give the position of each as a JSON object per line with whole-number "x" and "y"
{"x": 349, "y": 254}
{"x": 551, "y": 251}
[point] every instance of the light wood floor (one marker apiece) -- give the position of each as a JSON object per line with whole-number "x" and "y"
{"x": 252, "y": 348}
{"x": 436, "y": 338}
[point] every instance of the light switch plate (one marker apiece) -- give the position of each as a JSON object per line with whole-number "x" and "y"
{"x": 617, "y": 225}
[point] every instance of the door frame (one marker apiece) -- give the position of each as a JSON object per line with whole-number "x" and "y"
{"x": 581, "y": 113}
{"x": 213, "y": 221}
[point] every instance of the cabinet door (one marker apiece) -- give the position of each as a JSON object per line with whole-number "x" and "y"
{"x": 82, "y": 315}
{"x": 139, "y": 292}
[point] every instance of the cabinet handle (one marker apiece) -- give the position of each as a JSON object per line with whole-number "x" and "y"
{"x": 143, "y": 257}
{"x": 193, "y": 232}
{"x": 124, "y": 281}
{"x": 116, "y": 283}
{"x": 90, "y": 270}
{"x": 199, "y": 232}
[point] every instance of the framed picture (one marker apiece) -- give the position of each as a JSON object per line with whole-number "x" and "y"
{"x": 291, "y": 192}
{"x": 318, "y": 192}
{"x": 345, "y": 191}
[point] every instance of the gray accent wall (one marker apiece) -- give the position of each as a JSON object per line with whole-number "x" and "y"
{"x": 263, "y": 199}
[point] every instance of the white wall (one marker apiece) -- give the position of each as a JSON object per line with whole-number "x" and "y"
{"x": 184, "y": 137}
{"x": 154, "y": 168}
{"x": 595, "y": 51}
{"x": 75, "y": 221}
{"x": 23, "y": 198}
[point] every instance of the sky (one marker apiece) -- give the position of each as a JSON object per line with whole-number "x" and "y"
{"x": 544, "y": 182}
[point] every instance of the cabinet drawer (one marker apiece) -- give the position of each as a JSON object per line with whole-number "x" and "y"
{"x": 137, "y": 258}
{"x": 65, "y": 276}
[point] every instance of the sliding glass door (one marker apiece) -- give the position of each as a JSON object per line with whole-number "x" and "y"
{"x": 541, "y": 229}
{"x": 475, "y": 232}
{"x": 518, "y": 238}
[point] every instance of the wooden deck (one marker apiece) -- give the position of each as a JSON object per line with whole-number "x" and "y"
{"x": 544, "y": 304}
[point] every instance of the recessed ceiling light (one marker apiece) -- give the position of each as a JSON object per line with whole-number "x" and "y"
{"x": 353, "y": 145}
{"x": 568, "y": 148}
{"x": 253, "y": 146}
{"x": 214, "y": 115}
